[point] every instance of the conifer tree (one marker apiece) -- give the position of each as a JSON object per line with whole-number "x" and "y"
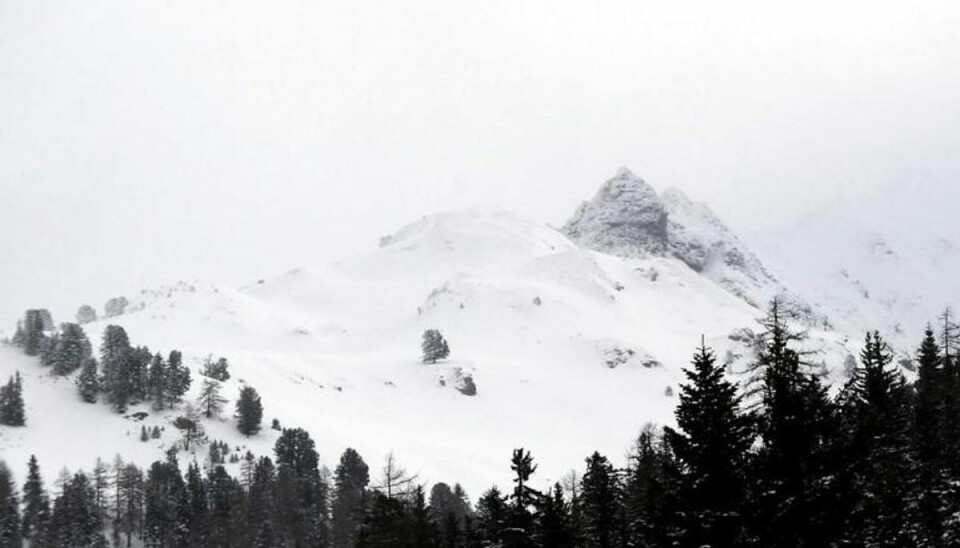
{"x": 157, "y": 382}
{"x": 86, "y": 314}
{"x": 492, "y": 514}
{"x": 197, "y": 514}
{"x": 650, "y": 491}
{"x": 301, "y": 493}
{"x": 262, "y": 506}
{"x": 177, "y": 378}
{"x": 165, "y": 506}
{"x": 115, "y": 358}
{"x": 75, "y": 520}
{"x": 350, "y": 481}
{"x": 11, "y": 402}
{"x": 792, "y": 486}
{"x": 249, "y": 411}
{"x": 877, "y": 421}
{"x": 36, "y": 503}
{"x": 554, "y": 521}
{"x": 190, "y": 427}
{"x": 712, "y": 451}
{"x": 88, "y": 382}
{"x": 19, "y": 336}
{"x": 928, "y": 429}
{"x": 9, "y": 510}
{"x": 210, "y": 401}
{"x": 600, "y": 502}
{"x": 434, "y": 346}
{"x": 72, "y": 348}
{"x": 33, "y": 335}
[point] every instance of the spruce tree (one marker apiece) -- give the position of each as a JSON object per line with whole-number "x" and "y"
{"x": 877, "y": 421}
{"x": 554, "y": 521}
{"x": 434, "y": 346}
{"x": 249, "y": 411}
{"x": 600, "y": 503}
{"x": 10, "y": 531}
{"x": 88, "y": 382}
{"x": 115, "y": 358}
{"x": 712, "y": 451}
{"x": 493, "y": 515}
{"x": 301, "y": 493}
{"x": 72, "y": 348}
{"x": 75, "y": 520}
{"x": 262, "y": 504}
{"x": 929, "y": 410}
{"x": 33, "y": 333}
{"x": 792, "y": 489}
{"x": 350, "y": 482}
{"x": 177, "y": 378}
{"x": 197, "y": 514}
{"x": 651, "y": 499}
{"x": 157, "y": 382}
{"x": 166, "y": 506}
{"x": 36, "y": 503}
{"x": 11, "y": 402}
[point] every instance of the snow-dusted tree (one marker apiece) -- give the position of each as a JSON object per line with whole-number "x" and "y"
{"x": 249, "y": 411}
{"x": 11, "y": 402}
{"x": 36, "y": 503}
{"x": 189, "y": 425}
{"x": 19, "y": 336}
{"x": 72, "y": 348}
{"x": 210, "y": 401}
{"x": 177, "y": 378}
{"x": 216, "y": 369}
{"x": 434, "y": 346}
{"x": 86, "y": 314}
{"x": 115, "y": 353}
{"x": 88, "y": 382}
{"x": 351, "y": 479}
{"x": 33, "y": 332}
{"x": 394, "y": 480}
{"x": 115, "y": 306}
{"x": 9, "y": 510}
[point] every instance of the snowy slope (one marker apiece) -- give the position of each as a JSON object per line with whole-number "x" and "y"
{"x": 551, "y": 335}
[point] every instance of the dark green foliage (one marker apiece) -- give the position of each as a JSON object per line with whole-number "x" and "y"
{"x": 177, "y": 378}
{"x": 88, "y": 382}
{"x": 11, "y": 402}
{"x": 599, "y": 503}
{"x": 71, "y": 349}
{"x": 166, "y": 506}
{"x": 434, "y": 346}
{"x": 33, "y": 332}
{"x": 76, "y": 521}
{"x": 555, "y": 527}
{"x": 301, "y": 495}
{"x": 115, "y": 357}
{"x": 351, "y": 479}
{"x": 249, "y": 411}
{"x": 711, "y": 450}
{"x": 9, "y": 510}
{"x": 36, "y": 503}
{"x": 218, "y": 370}
{"x": 493, "y": 514}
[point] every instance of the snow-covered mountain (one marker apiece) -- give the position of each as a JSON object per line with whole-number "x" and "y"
{"x": 571, "y": 339}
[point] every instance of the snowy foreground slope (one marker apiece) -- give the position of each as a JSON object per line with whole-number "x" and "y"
{"x": 571, "y": 350}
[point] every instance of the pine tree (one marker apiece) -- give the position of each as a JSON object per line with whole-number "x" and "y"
{"x": 493, "y": 514}
{"x": 115, "y": 357}
{"x": 165, "y": 506}
{"x": 71, "y": 350}
{"x": 218, "y": 369}
{"x": 249, "y": 411}
{"x": 350, "y": 480}
{"x": 434, "y": 346}
{"x": 600, "y": 502}
{"x": 524, "y": 498}
{"x": 651, "y": 486}
{"x": 877, "y": 422}
{"x": 157, "y": 382}
{"x": 9, "y": 510}
{"x": 177, "y": 378}
{"x": 928, "y": 428}
{"x": 791, "y": 501}
{"x": 36, "y": 503}
{"x": 197, "y": 515}
{"x": 88, "y": 382}
{"x": 554, "y": 521}
{"x": 19, "y": 336}
{"x": 262, "y": 504}
{"x": 33, "y": 335}
{"x": 301, "y": 493}
{"x": 190, "y": 427}
{"x": 75, "y": 520}
{"x": 210, "y": 401}
{"x": 11, "y": 402}
{"x": 712, "y": 451}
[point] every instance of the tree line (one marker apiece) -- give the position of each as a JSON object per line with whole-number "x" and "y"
{"x": 778, "y": 462}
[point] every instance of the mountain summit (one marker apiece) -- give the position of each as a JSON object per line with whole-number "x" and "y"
{"x": 628, "y": 218}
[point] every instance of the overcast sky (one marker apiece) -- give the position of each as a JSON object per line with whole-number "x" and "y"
{"x": 146, "y": 141}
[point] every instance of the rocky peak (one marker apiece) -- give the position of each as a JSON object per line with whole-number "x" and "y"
{"x": 626, "y": 217}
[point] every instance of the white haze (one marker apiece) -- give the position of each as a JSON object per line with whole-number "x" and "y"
{"x": 146, "y": 141}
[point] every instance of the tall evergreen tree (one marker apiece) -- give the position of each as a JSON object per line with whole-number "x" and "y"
{"x": 493, "y": 514}
{"x": 554, "y": 521}
{"x": 600, "y": 503}
{"x": 9, "y": 510}
{"x": 350, "y": 480}
{"x": 178, "y": 378}
{"x": 524, "y": 498}
{"x": 249, "y": 411}
{"x": 877, "y": 421}
{"x": 115, "y": 357}
{"x": 33, "y": 332}
{"x": 165, "y": 506}
{"x": 791, "y": 501}
{"x": 36, "y": 503}
{"x": 651, "y": 492}
{"x": 261, "y": 509}
{"x": 712, "y": 451}
{"x": 301, "y": 493}
{"x": 75, "y": 521}
{"x": 88, "y": 382}
{"x": 210, "y": 401}
{"x": 71, "y": 350}
{"x": 11, "y": 402}
{"x": 434, "y": 346}
{"x": 932, "y": 504}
